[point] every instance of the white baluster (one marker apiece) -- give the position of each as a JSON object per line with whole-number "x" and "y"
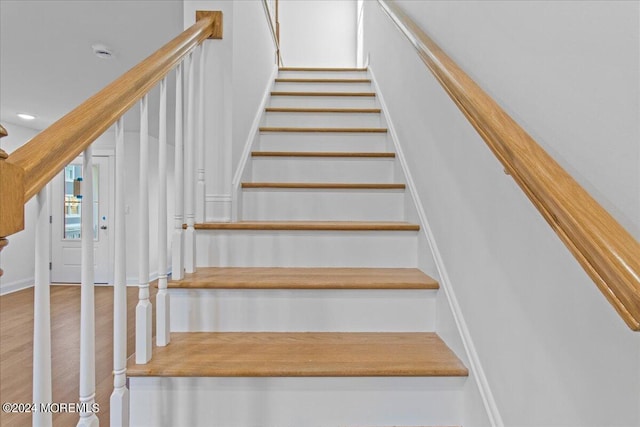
{"x": 119, "y": 404}
{"x": 190, "y": 234}
{"x": 42, "y": 315}
{"x": 162, "y": 298}
{"x": 177, "y": 264}
{"x": 200, "y": 187}
{"x": 143, "y": 309}
{"x": 87, "y": 300}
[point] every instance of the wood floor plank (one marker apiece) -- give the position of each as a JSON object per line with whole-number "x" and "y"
{"x": 16, "y": 349}
{"x": 305, "y": 278}
{"x": 321, "y": 154}
{"x": 306, "y": 354}
{"x": 324, "y": 185}
{"x": 310, "y": 225}
{"x": 322, "y": 130}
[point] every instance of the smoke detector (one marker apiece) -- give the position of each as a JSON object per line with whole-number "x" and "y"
{"x": 102, "y": 51}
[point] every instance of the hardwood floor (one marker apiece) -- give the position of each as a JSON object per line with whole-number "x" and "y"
{"x": 16, "y": 348}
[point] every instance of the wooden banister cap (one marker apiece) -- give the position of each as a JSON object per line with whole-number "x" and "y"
{"x": 216, "y": 25}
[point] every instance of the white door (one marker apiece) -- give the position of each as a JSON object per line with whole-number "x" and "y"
{"x": 66, "y": 228}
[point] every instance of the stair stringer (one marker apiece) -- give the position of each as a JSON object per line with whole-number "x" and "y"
{"x": 481, "y": 408}
{"x": 243, "y": 173}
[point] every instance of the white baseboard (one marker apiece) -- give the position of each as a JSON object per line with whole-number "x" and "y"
{"x": 250, "y": 142}
{"x": 17, "y": 285}
{"x": 218, "y": 207}
{"x": 135, "y": 281}
{"x": 445, "y": 282}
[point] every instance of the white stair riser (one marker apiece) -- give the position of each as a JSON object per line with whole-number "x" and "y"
{"x": 323, "y": 87}
{"x": 323, "y": 101}
{"x": 209, "y": 310}
{"x": 315, "y": 138}
{"x": 323, "y": 74}
{"x": 295, "y": 402}
{"x": 249, "y": 248}
{"x": 322, "y": 205}
{"x": 322, "y": 169}
{"x": 349, "y": 120}
{"x": 348, "y": 143}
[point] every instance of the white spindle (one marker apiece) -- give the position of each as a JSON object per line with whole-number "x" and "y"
{"x": 190, "y": 234}
{"x": 200, "y": 187}
{"x": 42, "y": 315}
{"x": 119, "y": 404}
{"x": 177, "y": 264}
{"x": 162, "y": 298}
{"x": 143, "y": 309}
{"x": 87, "y": 300}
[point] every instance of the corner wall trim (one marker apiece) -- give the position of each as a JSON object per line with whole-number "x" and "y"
{"x": 476, "y": 367}
{"x": 218, "y": 207}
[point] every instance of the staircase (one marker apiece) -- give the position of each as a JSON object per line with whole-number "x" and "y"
{"x": 309, "y": 310}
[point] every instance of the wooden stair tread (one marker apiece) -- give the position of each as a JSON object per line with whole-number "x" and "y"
{"x": 310, "y": 225}
{"x": 337, "y": 130}
{"x": 296, "y": 93}
{"x": 305, "y": 278}
{"x": 321, "y": 110}
{"x": 306, "y": 354}
{"x": 321, "y": 154}
{"x": 319, "y": 69}
{"x": 324, "y": 185}
{"x": 292, "y": 80}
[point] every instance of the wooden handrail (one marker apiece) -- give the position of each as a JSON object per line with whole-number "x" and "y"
{"x": 275, "y": 32}
{"x": 606, "y": 251}
{"x": 44, "y": 156}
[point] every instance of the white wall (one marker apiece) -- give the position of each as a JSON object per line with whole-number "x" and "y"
{"x": 17, "y": 259}
{"x": 318, "y": 33}
{"x": 554, "y": 351}
{"x": 239, "y": 68}
{"x": 253, "y": 62}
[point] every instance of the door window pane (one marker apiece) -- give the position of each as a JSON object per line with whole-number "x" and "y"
{"x": 73, "y": 204}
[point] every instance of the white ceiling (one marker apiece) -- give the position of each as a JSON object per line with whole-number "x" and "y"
{"x": 47, "y": 66}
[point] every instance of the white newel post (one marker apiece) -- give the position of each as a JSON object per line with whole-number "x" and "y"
{"x": 190, "y": 234}
{"x": 143, "y": 309}
{"x": 177, "y": 264}
{"x": 42, "y": 315}
{"x": 200, "y": 187}
{"x": 87, "y": 299}
{"x": 162, "y": 298}
{"x": 119, "y": 403}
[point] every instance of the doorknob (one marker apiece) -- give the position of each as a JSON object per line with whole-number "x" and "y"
{"x": 103, "y": 227}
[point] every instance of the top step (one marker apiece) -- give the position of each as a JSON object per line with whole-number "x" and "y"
{"x": 322, "y": 73}
{"x": 320, "y": 69}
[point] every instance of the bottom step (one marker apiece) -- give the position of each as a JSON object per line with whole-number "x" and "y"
{"x": 296, "y": 401}
{"x": 298, "y": 379}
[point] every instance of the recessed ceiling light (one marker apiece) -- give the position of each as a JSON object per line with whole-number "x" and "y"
{"x": 102, "y": 51}
{"x": 25, "y": 116}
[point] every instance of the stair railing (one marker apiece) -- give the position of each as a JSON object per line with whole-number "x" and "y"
{"x": 604, "y": 249}
{"x": 271, "y": 8}
{"x": 26, "y": 172}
